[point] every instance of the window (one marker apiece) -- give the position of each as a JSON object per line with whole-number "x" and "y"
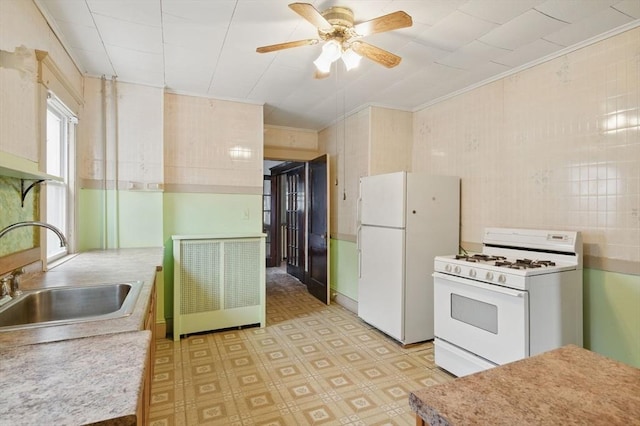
{"x": 59, "y": 143}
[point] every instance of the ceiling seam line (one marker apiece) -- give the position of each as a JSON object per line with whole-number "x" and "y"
{"x": 552, "y": 17}
{"x": 164, "y": 52}
{"x": 224, "y": 42}
{"x": 620, "y": 11}
{"x": 104, "y": 46}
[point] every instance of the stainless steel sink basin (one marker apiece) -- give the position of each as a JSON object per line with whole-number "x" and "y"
{"x": 63, "y": 305}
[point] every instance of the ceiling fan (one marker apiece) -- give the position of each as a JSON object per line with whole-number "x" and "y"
{"x": 342, "y": 38}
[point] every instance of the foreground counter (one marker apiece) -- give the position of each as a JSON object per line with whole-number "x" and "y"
{"x": 569, "y": 385}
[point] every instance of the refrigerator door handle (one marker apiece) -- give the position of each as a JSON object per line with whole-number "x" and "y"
{"x": 359, "y": 251}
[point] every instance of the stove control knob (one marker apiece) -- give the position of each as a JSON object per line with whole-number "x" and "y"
{"x": 447, "y": 268}
{"x": 489, "y": 276}
{"x": 472, "y": 273}
{"x": 502, "y": 278}
{"x": 456, "y": 270}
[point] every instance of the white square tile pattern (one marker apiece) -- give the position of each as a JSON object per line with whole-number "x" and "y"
{"x": 556, "y": 146}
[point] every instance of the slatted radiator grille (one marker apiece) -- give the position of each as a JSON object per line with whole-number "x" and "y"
{"x": 218, "y": 283}
{"x": 241, "y": 273}
{"x": 200, "y": 276}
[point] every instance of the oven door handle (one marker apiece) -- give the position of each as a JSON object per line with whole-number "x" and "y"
{"x": 480, "y": 284}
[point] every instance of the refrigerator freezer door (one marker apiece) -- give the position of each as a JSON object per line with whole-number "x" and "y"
{"x": 383, "y": 199}
{"x": 381, "y": 283}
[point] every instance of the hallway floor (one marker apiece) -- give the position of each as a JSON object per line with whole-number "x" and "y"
{"x": 311, "y": 365}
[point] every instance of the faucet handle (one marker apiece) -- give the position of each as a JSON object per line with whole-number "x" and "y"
{"x": 15, "y": 286}
{"x": 5, "y": 287}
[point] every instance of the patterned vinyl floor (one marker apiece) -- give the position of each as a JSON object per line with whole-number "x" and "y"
{"x": 311, "y": 365}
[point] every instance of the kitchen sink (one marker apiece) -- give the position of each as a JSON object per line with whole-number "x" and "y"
{"x": 64, "y": 305}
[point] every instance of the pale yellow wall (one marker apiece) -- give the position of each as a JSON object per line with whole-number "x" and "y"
{"x": 212, "y": 144}
{"x": 347, "y": 143}
{"x": 140, "y": 136}
{"x": 286, "y": 143}
{"x": 391, "y": 140}
{"x": 371, "y": 141}
{"x": 556, "y": 146}
{"x": 120, "y": 135}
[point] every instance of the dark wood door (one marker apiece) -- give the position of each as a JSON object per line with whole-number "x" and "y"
{"x": 318, "y": 234}
{"x": 295, "y": 231}
{"x": 268, "y": 220}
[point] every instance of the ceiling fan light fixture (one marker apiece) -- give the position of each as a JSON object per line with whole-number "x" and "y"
{"x": 331, "y": 52}
{"x": 322, "y": 64}
{"x": 351, "y": 59}
{"x": 342, "y": 37}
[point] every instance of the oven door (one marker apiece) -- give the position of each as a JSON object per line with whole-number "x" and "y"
{"x": 487, "y": 320}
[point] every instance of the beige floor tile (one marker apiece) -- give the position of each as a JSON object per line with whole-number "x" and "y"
{"x": 311, "y": 365}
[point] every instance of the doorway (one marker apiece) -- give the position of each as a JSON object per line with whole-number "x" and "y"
{"x": 298, "y": 224}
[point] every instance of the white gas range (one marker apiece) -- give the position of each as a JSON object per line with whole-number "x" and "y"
{"x": 521, "y": 296}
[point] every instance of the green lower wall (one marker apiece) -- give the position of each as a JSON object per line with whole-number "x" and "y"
{"x": 90, "y": 221}
{"x": 344, "y": 267}
{"x": 149, "y": 219}
{"x": 612, "y": 315}
{"x": 205, "y": 214}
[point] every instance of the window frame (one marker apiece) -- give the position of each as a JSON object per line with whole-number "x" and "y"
{"x": 67, "y": 135}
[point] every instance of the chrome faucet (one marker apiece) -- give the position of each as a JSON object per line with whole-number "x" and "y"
{"x": 13, "y": 281}
{"x": 63, "y": 239}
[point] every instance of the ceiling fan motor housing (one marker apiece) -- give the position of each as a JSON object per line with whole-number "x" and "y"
{"x": 341, "y": 18}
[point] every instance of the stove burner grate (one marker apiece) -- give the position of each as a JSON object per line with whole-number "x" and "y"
{"x": 524, "y": 264}
{"x": 479, "y": 257}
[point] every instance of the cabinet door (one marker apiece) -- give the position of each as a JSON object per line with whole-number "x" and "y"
{"x": 150, "y": 325}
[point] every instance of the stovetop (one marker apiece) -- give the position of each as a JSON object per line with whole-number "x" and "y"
{"x": 522, "y": 266}
{"x": 499, "y": 270}
{"x": 511, "y": 256}
{"x": 502, "y": 261}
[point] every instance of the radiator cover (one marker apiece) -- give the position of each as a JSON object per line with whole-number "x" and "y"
{"x": 219, "y": 282}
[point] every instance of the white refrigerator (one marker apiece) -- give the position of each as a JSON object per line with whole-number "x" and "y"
{"x": 405, "y": 220}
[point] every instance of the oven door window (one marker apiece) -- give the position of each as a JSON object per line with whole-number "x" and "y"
{"x": 484, "y": 319}
{"x": 474, "y": 312}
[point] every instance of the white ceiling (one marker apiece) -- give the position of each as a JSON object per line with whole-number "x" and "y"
{"x": 207, "y": 48}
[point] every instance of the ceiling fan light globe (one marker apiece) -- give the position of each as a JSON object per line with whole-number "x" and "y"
{"x": 351, "y": 59}
{"x": 322, "y": 64}
{"x": 332, "y": 50}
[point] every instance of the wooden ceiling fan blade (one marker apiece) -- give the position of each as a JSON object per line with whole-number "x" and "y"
{"x": 311, "y": 14}
{"x": 319, "y": 75}
{"x": 392, "y": 21}
{"x": 376, "y": 54}
{"x": 287, "y": 45}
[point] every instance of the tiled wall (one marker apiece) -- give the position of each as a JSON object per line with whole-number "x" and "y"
{"x": 212, "y": 142}
{"x": 347, "y": 144}
{"x": 555, "y": 146}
